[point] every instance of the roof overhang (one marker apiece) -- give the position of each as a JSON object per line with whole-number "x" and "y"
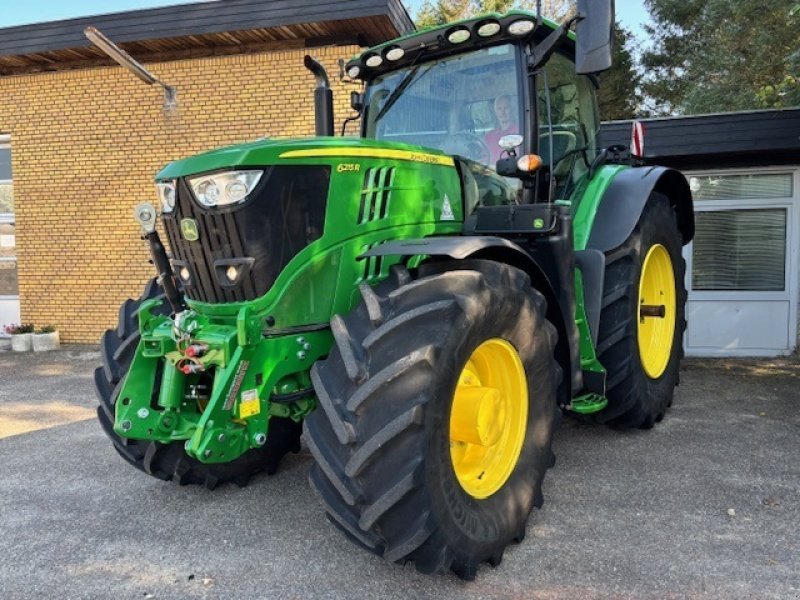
{"x": 211, "y": 28}
{"x": 754, "y": 137}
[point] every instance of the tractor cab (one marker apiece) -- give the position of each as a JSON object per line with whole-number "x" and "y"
{"x": 464, "y": 87}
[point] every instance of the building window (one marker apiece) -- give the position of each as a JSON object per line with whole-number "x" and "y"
{"x": 759, "y": 186}
{"x": 8, "y": 256}
{"x": 742, "y": 249}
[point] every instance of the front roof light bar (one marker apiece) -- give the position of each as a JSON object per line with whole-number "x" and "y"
{"x": 488, "y": 28}
{"x": 459, "y": 35}
{"x": 394, "y": 53}
{"x": 374, "y": 60}
{"x": 521, "y": 27}
{"x": 440, "y": 41}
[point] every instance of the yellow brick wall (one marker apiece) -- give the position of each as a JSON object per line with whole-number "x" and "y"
{"x": 86, "y": 144}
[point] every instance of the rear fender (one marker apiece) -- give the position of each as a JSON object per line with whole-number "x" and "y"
{"x": 502, "y": 250}
{"x": 624, "y": 200}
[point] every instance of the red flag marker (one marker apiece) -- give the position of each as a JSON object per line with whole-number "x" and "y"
{"x": 637, "y": 139}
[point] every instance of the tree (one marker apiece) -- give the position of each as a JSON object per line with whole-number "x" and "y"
{"x": 443, "y": 11}
{"x": 618, "y": 96}
{"x": 722, "y": 55}
{"x": 439, "y": 12}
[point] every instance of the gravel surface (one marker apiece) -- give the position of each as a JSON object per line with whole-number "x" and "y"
{"x": 706, "y": 505}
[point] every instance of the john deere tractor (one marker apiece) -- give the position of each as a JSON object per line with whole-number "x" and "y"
{"x": 423, "y": 301}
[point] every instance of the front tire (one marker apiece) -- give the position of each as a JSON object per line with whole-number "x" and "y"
{"x": 642, "y": 353}
{"x": 395, "y": 392}
{"x": 169, "y": 462}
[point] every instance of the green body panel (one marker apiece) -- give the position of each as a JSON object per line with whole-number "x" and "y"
{"x": 250, "y": 356}
{"x": 586, "y": 200}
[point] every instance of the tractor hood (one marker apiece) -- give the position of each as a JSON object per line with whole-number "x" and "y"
{"x": 300, "y": 151}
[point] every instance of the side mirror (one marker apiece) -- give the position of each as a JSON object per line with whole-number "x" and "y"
{"x": 510, "y": 142}
{"x": 594, "y": 35}
{"x": 357, "y": 102}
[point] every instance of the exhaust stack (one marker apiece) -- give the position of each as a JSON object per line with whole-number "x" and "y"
{"x": 323, "y": 98}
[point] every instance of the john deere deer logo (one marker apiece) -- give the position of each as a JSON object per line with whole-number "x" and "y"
{"x": 189, "y": 230}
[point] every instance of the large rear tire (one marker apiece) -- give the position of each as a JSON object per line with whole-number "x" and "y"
{"x": 642, "y": 353}
{"x": 437, "y": 406}
{"x": 169, "y": 462}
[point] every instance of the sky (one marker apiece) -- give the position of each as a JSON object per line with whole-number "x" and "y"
{"x": 631, "y": 13}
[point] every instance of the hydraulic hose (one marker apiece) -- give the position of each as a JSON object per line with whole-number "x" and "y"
{"x": 166, "y": 278}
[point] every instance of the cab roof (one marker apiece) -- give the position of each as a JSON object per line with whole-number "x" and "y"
{"x": 478, "y": 32}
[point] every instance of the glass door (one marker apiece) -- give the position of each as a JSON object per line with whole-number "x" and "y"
{"x": 741, "y": 265}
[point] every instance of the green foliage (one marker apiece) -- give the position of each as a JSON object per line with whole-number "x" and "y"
{"x": 618, "y": 96}
{"x": 443, "y": 11}
{"x": 47, "y": 329}
{"x": 722, "y": 55}
{"x": 439, "y": 12}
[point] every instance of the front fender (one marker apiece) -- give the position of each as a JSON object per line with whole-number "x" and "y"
{"x": 560, "y": 312}
{"x": 458, "y": 247}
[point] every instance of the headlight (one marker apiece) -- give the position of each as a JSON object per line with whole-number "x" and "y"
{"x": 166, "y": 193}
{"x": 222, "y": 189}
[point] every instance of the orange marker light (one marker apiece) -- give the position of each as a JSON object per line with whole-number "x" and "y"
{"x": 529, "y": 163}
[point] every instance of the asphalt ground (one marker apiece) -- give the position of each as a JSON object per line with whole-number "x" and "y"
{"x": 706, "y": 505}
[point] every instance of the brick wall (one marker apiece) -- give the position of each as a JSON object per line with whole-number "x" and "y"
{"x": 86, "y": 145}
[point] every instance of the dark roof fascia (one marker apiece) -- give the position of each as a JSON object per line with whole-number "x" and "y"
{"x": 723, "y": 139}
{"x": 195, "y": 19}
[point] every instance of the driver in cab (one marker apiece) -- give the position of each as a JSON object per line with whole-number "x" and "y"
{"x": 504, "y": 111}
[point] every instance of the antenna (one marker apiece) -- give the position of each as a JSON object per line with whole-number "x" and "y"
{"x": 124, "y": 59}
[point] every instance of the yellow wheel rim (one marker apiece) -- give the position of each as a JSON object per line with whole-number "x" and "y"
{"x": 656, "y": 318}
{"x": 488, "y": 418}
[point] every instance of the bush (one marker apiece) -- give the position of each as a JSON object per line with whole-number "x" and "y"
{"x": 47, "y": 329}
{"x": 14, "y": 329}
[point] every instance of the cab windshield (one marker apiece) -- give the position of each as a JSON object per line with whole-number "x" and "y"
{"x": 461, "y": 105}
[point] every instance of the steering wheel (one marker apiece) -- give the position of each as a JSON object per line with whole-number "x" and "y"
{"x": 470, "y": 146}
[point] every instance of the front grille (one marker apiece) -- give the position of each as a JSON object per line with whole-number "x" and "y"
{"x": 285, "y": 213}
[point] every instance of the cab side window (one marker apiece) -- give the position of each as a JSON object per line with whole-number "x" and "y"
{"x": 573, "y": 114}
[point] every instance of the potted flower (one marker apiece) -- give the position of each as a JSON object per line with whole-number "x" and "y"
{"x": 45, "y": 338}
{"x": 21, "y": 336}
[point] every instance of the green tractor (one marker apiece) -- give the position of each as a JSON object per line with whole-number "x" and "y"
{"x": 423, "y": 301}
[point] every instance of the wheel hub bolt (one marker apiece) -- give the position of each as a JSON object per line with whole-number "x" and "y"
{"x": 477, "y": 417}
{"x": 652, "y": 310}
{"x": 126, "y": 425}
{"x": 142, "y": 413}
